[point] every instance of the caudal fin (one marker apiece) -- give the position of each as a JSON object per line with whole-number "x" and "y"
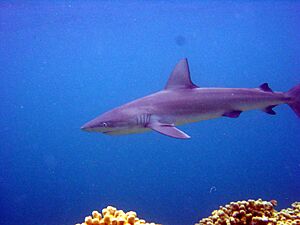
{"x": 294, "y": 103}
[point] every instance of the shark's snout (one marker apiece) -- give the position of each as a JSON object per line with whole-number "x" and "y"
{"x": 96, "y": 125}
{"x": 89, "y": 126}
{"x": 85, "y": 127}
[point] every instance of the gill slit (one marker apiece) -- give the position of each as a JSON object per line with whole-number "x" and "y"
{"x": 143, "y": 120}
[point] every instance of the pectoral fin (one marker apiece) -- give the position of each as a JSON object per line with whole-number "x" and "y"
{"x": 169, "y": 130}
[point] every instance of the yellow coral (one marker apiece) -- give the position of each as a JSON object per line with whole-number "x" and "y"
{"x": 111, "y": 216}
{"x": 290, "y": 216}
{"x": 253, "y": 212}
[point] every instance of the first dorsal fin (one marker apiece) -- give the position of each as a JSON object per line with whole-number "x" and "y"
{"x": 180, "y": 77}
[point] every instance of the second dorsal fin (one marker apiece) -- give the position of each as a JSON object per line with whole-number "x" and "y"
{"x": 180, "y": 77}
{"x": 265, "y": 87}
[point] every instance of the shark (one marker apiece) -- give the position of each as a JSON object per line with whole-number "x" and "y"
{"x": 182, "y": 102}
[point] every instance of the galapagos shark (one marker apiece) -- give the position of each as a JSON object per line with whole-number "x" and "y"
{"x": 182, "y": 102}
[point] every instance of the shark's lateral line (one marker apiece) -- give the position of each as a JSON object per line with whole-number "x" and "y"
{"x": 183, "y": 102}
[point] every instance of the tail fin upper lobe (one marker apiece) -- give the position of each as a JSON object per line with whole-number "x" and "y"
{"x": 294, "y": 103}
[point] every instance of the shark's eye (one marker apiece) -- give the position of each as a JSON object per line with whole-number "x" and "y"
{"x": 104, "y": 124}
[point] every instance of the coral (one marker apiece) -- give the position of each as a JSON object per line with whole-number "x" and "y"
{"x": 289, "y": 216}
{"x": 253, "y": 212}
{"x": 112, "y": 216}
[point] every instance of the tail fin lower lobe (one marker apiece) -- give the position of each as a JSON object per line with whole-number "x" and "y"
{"x": 294, "y": 103}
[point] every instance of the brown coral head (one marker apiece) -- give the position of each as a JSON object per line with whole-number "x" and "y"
{"x": 273, "y": 202}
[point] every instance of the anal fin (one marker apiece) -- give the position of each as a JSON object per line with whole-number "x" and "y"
{"x": 270, "y": 110}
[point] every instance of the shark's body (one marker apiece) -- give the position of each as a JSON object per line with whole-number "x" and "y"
{"x": 183, "y": 102}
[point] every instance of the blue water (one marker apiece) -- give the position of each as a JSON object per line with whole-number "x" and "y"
{"x": 63, "y": 63}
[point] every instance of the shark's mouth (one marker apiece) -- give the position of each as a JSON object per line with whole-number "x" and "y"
{"x": 114, "y": 132}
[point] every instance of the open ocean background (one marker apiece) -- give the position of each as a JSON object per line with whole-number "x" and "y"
{"x": 63, "y": 63}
